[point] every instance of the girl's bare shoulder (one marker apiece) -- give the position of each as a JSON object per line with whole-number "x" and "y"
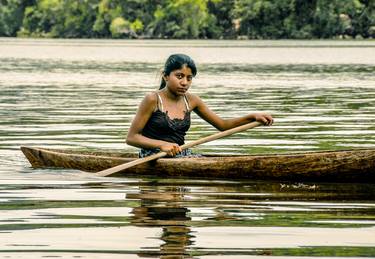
{"x": 149, "y": 102}
{"x": 151, "y": 98}
{"x": 193, "y": 99}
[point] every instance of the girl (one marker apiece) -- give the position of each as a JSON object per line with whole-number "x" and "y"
{"x": 163, "y": 117}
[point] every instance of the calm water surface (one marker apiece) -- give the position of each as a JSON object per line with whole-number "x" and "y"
{"x": 83, "y": 94}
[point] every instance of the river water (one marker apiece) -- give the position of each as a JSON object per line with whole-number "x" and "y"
{"x": 82, "y": 94}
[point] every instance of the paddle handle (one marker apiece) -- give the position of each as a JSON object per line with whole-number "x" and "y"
{"x": 215, "y": 136}
{"x": 221, "y": 134}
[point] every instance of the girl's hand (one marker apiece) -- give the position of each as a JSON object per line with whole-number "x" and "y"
{"x": 172, "y": 149}
{"x": 264, "y": 118}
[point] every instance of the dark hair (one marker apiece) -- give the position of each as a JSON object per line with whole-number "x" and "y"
{"x": 177, "y": 61}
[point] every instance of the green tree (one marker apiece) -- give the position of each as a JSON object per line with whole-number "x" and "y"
{"x": 39, "y": 19}
{"x": 360, "y": 17}
{"x": 59, "y": 18}
{"x": 327, "y": 22}
{"x": 123, "y": 18}
{"x": 188, "y": 19}
{"x": 299, "y": 23}
{"x": 181, "y": 19}
{"x": 223, "y": 22}
{"x": 139, "y": 12}
{"x": 11, "y": 15}
{"x": 108, "y": 11}
{"x": 262, "y": 18}
{"x": 78, "y": 17}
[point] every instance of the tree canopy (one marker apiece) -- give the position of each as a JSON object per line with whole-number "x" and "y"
{"x": 188, "y": 19}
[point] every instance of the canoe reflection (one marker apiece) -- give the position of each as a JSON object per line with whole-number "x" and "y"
{"x": 161, "y": 209}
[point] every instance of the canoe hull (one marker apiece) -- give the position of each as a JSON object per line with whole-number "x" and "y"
{"x": 337, "y": 166}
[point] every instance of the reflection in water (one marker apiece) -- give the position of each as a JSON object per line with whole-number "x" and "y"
{"x": 161, "y": 208}
{"x": 185, "y": 218}
{"x": 254, "y": 218}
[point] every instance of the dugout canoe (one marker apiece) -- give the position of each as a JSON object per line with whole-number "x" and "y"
{"x": 333, "y": 166}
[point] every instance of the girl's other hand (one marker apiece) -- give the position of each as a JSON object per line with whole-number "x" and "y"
{"x": 264, "y": 118}
{"x": 171, "y": 149}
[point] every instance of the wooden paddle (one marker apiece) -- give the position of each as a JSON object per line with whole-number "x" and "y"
{"x": 215, "y": 136}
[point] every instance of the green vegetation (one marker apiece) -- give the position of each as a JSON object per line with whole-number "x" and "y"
{"x": 188, "y": 19}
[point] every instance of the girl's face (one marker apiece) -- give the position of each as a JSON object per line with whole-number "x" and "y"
{"x": 179, "y": 80}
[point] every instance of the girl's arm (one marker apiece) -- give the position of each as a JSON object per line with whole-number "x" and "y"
{"x": 208, "y": 115}
{"x": 135, "y": 137}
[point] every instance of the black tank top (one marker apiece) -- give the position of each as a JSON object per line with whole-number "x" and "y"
{"x": 161, "y": 127}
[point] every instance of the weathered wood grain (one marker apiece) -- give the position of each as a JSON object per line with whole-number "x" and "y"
{"x": 333, "y": 166}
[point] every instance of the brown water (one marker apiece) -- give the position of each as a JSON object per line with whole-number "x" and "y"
{"x": 83, "y": 94}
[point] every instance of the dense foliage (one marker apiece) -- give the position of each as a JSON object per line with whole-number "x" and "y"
{"x": 188, "y": 19}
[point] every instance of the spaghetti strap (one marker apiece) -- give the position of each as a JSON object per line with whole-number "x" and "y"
{"x": 161, "y": 102}
{"x": 186, "y": 103}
